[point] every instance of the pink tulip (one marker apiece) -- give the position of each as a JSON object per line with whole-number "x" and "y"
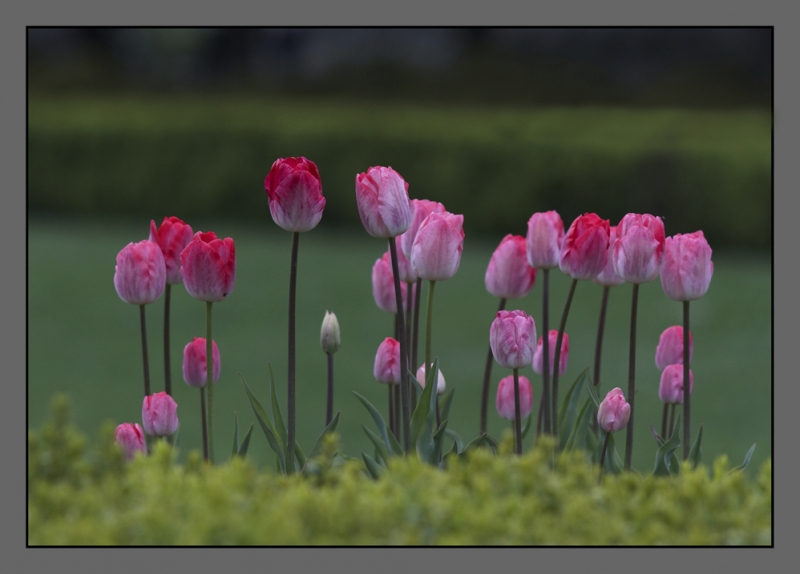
{"x": 608, "y": 276}
{"x": 639, "y": 250}
{"x": 383, "y": 285}
{"x": 208, "y": 265}
{"x": 131, "y": 438}
{"x": 421, "y": 374}
{"x": 172, "y": 237}
{"x": 687, "y": 269}
{"x": 584, "y": 251}
{"x": 509, "y": 275}
{"x": 383, "y": 204}
{"x": 195, "y": 368}
{"x": 670, "y": 347}
{"x": 404, "y": 268}
{"x": 420, "y": 209}
{"x": 512, "y": 338}
{"x": 159, "y": 415}
{"x": 294, "y": 190}
{"x": 505, "y": 398}
{"x": 436, "y": 253}
{"x": 387, "y": 362}
{"x": 614, "y": 411}
{"x": 670, "y": 390}
{"x": 545, "y": 236}
{"x": 141, "y": 274}
{"x": 538, "y": 355}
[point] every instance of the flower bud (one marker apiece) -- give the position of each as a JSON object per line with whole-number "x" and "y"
{"x": 159, "y": 414}
{"x": 670, "y": 389}
{"x": 383, "y": 285}
{"x": 131, "y": 438}
{"x": 687, "y": 268}
{"x": 383, "y": 204}
{"x": 670, "y": 347}
{"x": 512, "y": 337}
{"x": 509, "y": 275}
{"x": 436, "y": 253}
{"x": 195, "y": 369}
{"x": 172, "y": 237}
{"x": 294, "y": 190}
{"x": 639, "y": 250}
{"x": 387, "y": 362}
{"x": 421, "y": 376}
{"x": 208, "y": 266}
{"x": 140, "y": 274}
{"x": 505, "y": 398}
{"x": 538, "y": 355}
{"x": 330, "y": 338}
{"x": 584, "y": 251}
{"x": 545, "y": 236}
{"x": 614, "y": 411}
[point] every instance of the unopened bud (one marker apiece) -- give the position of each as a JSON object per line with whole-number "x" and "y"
{"x": 330, "y": 337}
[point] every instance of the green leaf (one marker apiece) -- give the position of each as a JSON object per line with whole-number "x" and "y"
{"x": 381, "y": 424}
{"x": 577, "y": 437}
{"x": 276, "y": 410}
{"x": 593, "y": 394}
{"x": 328, "y": 429}
{"x": 235, "y": 450}
{"x": 611, "y": 464}
{"x": 491, "y": 442}
{"x": 458, "y": 443}
{"x": 569, "y": 408}
{"x": 373, "y": 468}
{"x": 660, "y": 441}
{"x": 266, "y": 425}
{"x": 438, "y": 440}
{"x": 697, "y": 450}
{"x": 747, "y": 458}
{"x": 416, "y": 386}
{"x": 245, "y": 443}
{"x": 300, "y": 456}
{"x": 527, "y": 426}
{"x": 380, "y": 446}
{"x": 444, "y": 403}
{"x": 424, "y": 404}
{"x": 664, "y": 453}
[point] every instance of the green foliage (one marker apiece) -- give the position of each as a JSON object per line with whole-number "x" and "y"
{"x": 81, "y": 497}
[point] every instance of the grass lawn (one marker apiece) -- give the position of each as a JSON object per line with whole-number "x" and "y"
{"x": 83, "y": 340}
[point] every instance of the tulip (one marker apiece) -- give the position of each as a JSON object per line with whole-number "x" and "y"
{"x": 387, "y": 362}
{"x": 608, "y": 276}
{"x": 140, "y": 274}
{"x": 512, "y": 337}
{"x": 670, "y": 347}
{"x": 383, "y": 285}
{"x": 420, "y": 210}
{"x": 538, "y": 355}
{"x": 130, "y": 437}
{"x": 545, "y": 236}
{"x": 195, "y": 369}
{"x": 159, "y": 415}
{"x": 670, "y": 390}
{"x": 208, "y": 265}
{"x": 172, "y": 237}
{"x": 505, "y": 397}
{"x": 687, "y": 269}
{"x": 294, "y": 190}
{"x": 383, "y": 204}
{"x": 330, "y": 339}
{"x": 584, "y": 251}
{"x": 407, "y": 274}
{"x": 422, "y": 374}
{"x": 639, "y": 250}
{"x": 509, "y": 276}
{"x": 436, "y": 253}
{"x": 614, "y": 411}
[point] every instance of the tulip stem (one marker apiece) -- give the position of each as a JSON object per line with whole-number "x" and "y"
{"x": 687, "y": 387}
{"x": 397, "y": 401}
{"x": 557, "y": 354}
{"x": 598, "y": 349}
{"x": 404, "y": 389}
{"x": 409, "y": 329}
{"x": 415, "y": 347}
{"x": 210, "y": 382}
{"x": 539, "y": 418}
{"x": 203, "y": 422}
{"x": 664, "y": 422}
{"x": 329, "y": 411}
{"x": 631, "y": 378}
{"x": 391, "y": 410}
{"x": 603, "y": 457}
{"x": 487, "y": 375}
{"x": 546, "y": 352}
{"x": 428, "y": 328}
{"x": 671, "y": 420}
{"x": 145, "y": 363}
{"x": 290, "y": 438}
{"x": 167, "y": 374}
{"x": 517, "y": 417}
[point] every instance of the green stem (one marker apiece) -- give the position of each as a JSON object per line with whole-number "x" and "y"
{"x": 598, "y": 348}
{"x": 603, "y": 457}
{"x": 631, "y": 378}
{"x": 415, "y": 345}
{"x": 290, "y": 438}
{"x": 391, "y": 410}
{"x": 404, "y": 388}
{"x": 517, "y": 417}
{"x": 145, "y": 362}
{"x": 428, "y": 327}
{"x": 329, "y": 410}
{"x": 664, "y": 421}
{"x": 546, "y": 352}
{"x": 671, "y": 420}
{"x": 487, "y": 375}
{"x": 557, "y": 354}
{"x": 210, "y": 382}
{"x": 167, "y": 373}
{"x": 203, "y": 422}
{"x": 687, "y": 387}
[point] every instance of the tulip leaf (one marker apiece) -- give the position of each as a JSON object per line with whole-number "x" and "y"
{"x": 245, "y": 443}
{"x": 577, "y": 437}
{"x": 381, "y": 424}
{"x": 415, "y": 386}
{"x": 459, "y": 444}
{"x": 300, "y": 456}
{"x": 491, "y": 442}
{"x": 266, "y": 425}
{"x": 235, "y": 435}
{"x": 660, "y": 441}
{"x": 697, "y": 450}
{"x": 373, "y": 468}
{"x": 444, "y": 403}
{"x": 438, "y": 440}
{"x": 665, "y": 451}
{"x": 569, "y": 408}
{"x": 380, "y": 446}
{"x": 747, "y": 458}
{"x": 276, "y": 409}
{"x": 611, "y": 464}
{"x": 328, "y": 429}
{"x": 527, "y": 426}
{"x": 423, "y": 410}
{"x": 593, "y": 394}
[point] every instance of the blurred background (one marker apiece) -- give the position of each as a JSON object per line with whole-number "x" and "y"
{"x": 129, "y": 125}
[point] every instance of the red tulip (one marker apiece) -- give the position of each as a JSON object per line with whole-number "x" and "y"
{"x": 159, "y": 415}
{"x": 538, "y": 355}
{"x": 544, "y": 240}
{"x": 387, "y": 362}
{"x": 614, "y": 411}
{"x": 670, "y": 390}
{"x": 584, "y": 251}
{"x": 172, "y": 237}
{"x": 420, "y": 209}
{"x": 608, "y": 276}
{"x": 383, "y": 285}
{"x": 208, "y": 265}
{"x": 141, "y": 274}
{"x": 509, "y": 275}
{"x": 512, "y": 337}
{"x": 131, "y": 438}
{"x": 195, "y": 368}
{"x": 421, "y": 375}
{"x": 294, "y": 190}
{"x": 639, "y": 250}
{"x": 505, "y": 397}
{"x": 687, "y": 269}
{"x": 383, "y": 204}
{"x": 670, "y": 347}
{"x": 436, "y": 253}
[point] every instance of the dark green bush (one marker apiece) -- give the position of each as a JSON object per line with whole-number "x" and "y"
{"x": 78, "y": 497}
{"x": 697, "y": 169}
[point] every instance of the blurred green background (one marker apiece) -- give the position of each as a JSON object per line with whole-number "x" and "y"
{"x": 131, "y": 125}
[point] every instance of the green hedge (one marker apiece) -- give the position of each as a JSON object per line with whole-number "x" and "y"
{"x": 154, "y": 157}
{"x": 80, "y": 496}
